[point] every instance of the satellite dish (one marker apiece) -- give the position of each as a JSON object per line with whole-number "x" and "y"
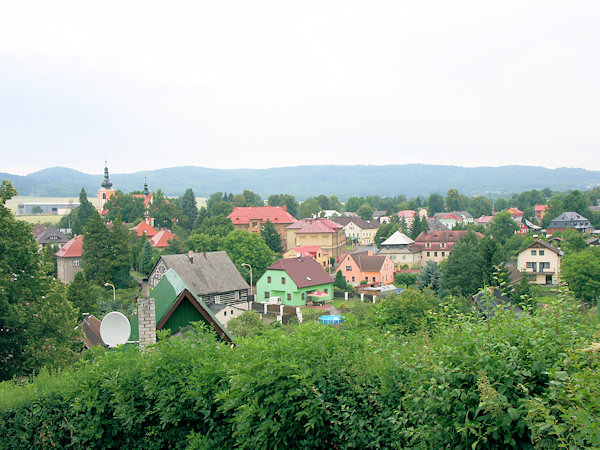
{"x": 115, "y": 329}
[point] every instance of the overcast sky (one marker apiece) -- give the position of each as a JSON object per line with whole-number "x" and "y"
{"x": 265, "y": 84}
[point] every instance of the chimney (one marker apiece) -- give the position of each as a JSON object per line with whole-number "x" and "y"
{"x": 191, "y": 257}
{"x": 146, "y": 318}
{"x": 284, "y": 207}
{"x": 204, "y": 254}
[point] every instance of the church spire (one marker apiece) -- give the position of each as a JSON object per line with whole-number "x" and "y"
{"x": 106, "y": 183}
{"x": 146, "y": 191}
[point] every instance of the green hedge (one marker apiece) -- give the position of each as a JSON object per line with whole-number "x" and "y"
{"x": 506, "y": 382}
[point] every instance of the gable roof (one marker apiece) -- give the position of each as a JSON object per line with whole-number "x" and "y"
{"x": 38, "y": 229}
{"x": 540, "y": 208}
{"x": 72, "y": 249}
{"x": 543, "y": 243}
{"x": 407, "y": 213}
{"x": 143, "y": 229}
{"x": 490, "y": 300}
{"x": 206, "y": 273}
{"x": 91, "y": 331}
{"x": 368, "y": 263}
{"x": 161, "y": 239}
{"x": 275, "y": 214}
{"x": 398, "y": 238}
{"x": 435, "y": 225}
{"x": 360, "y": 223}
{"x": 168, "y": 294}
{"x": 303, "y": 271}
{"x": 569, "y": 216}
{"x": 315, "y": 226}
{"x": 309, "y": 250}
{"x": 52, "y": 236}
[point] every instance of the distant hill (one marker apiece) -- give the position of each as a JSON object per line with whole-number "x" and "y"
{"x": 306, "y": 181}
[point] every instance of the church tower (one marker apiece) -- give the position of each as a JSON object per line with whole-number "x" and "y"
{"x": 106, "y": 191}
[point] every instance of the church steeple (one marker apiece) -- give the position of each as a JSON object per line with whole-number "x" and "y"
{"x": 146, "y": 191}
{"x": 106, "y": 184}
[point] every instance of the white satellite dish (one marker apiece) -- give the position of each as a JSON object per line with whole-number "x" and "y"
{"x": 115, "y": 329}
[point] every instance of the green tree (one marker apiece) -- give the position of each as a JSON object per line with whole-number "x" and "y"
{"x": 249, "y": 248}
{"x": 453, "y": 201}
{"x": 522, "y": 293}
{"x": 189, "y": 210}
{"x": 49, "y": 260}
{"x": 384, "y": 231}
{"x": 578, "y": 202}
{"x": 365, "y": 212}
{"x": 289, "y": 201}
{"x": 480, "y": 206}
{"x": 573, "y": 241}
{"x": 126, "y": 206}
{"x": 309, "y": 208}
{"x": 503, "y": 227}
{"x": 203, "y": 242}
{"x": 82, "y": 296}
{"x": 271, "y": 237}
{"x": 435, "y": 204}
{"x": 215, "y": 225}
{"x": 461, "y": 272}
{"x": 354, "y": 203}
{"x": 491, "y": 255}
{"x": 581, "y": 271}
{"x": 430, "y": 277}
{"x": 340, "y": 281}
{"x": 145, "y": 261}
{"x": 37, "y": 210}
{"x": 78, "y": 218}
{"x": 163, "y": 211}
{"x": 406, "y": 313}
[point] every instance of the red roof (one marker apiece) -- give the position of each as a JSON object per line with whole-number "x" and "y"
{"x": 72, "y": 249}
{"x": 484, "y": 219}
{"x": 310, "y": 250}
{"x": 515, "y": 211}
{"x": 451, "y": 216}
{"x": 435, "y": 239}
{"x": 161, "y": 239}
{"x": 540, "y": 208}
{"x": 303, "y": 271}
{"x": 276, "y": 214}
{"x": 407, "y": 213}
{"x": 143, "y": 228}
{"x": 147, "y": 198}
{"x": 316, "y": 226}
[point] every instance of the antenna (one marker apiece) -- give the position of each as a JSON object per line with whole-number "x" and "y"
{"x": 115, "y": 329}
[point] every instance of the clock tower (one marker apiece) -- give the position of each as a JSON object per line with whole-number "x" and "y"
{"x": 106, "y": 191}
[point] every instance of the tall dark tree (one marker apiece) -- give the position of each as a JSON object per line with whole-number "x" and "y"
{"x": 453, "y": 200}
{"x": 128, "y": 207}
{"x": 503, "y": 227}
{"x": 78, "y": 217}
{"x": 284, "y": 199}
{"x": 188, "y": 206}
{"x": 163, "y": 211}
{"x": 435, "y": 204}
{"x": 271, "y": 237}
{"x": 145, "y": 258}
{"x": 340, "y": 281}
{"x": 384, "y": 231}
{"x": 461, "y": 272}
{"x": 81, "y": 295}
{"x": 430, "y": 277}
{"x": 491, "y": 256}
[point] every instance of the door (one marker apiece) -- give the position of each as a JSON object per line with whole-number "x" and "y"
{"x": 548, "y": 279}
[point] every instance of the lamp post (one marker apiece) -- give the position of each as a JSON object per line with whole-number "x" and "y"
{"x": 251, "y": 291}
{"x": 114, "y": 292}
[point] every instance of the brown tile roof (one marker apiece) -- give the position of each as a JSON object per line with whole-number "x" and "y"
{"x": 91, "y": 332}
{"x": 315, "y": 226}
{"x": 72, "y": 249}
{"x": 161, "y": 239}
{"x": 368, "y": 263}
{"x": 360, "y": 223}
{"x": 435, "y": 239}
{"x": 276, "y": 214}
{"x": 303, "y": 271}
{"x": 143, "y": 229}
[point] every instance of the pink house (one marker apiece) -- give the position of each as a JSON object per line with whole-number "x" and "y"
{"x": 376, "y": 270}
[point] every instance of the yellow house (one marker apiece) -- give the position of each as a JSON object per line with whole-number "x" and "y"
{"x": 317, "y": 232}
{"x": 357, "y": 230}
{"x": 540, "y": 262}
{"x": 314, "y": 251}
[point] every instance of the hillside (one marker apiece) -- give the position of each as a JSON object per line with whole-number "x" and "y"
{"x": 305, "y": 181}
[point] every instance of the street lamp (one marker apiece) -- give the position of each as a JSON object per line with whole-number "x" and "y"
{"x": 251, "y": 292}
{"x": 114, "y": 292}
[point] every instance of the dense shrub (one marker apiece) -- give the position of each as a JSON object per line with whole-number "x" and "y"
{"x": 460, "y": 382}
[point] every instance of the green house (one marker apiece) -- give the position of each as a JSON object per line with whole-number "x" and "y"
{"x": 177, "y": 306}
{"x": 295, "y": 281}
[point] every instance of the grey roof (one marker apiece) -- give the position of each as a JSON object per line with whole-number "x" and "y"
{"x": 436, "y": 225}
{"x": 207, "y": 273}
{"x": 570, "y": 219}
{"x": 52, "y": 236}
{"x": 490, "y": 302}
{"x": 398, "y": 238}
{"x": 377, "y": 214}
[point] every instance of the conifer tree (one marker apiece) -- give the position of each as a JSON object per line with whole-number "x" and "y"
{"x": 271, "y": 237}
{"x": 145, "y": 258}
{"x": 430, "y": 277}
{"x": 461, "y": 272}
{"x": 81, "y": 295}
{"x": 189, "y": 208}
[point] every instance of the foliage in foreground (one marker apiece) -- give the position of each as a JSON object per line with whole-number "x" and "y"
{"x": 511, "y": 381}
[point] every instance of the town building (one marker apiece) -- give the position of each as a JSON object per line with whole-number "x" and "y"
{"x": 68, "y": 259}
{"x": 106, "y": 191}
{"x": 357, "y": 230}
{"x": 540, "y": 262}
{"x": 360, "y": 267}
{"x": 211, "y": 276}
{"x": 315, "y": 252}
{"x": 60, "y": 209}
{"x": 162, "y": 239}
{"x": 143, "y": 229}
{"x": 397, "y": 248}
{"x": 539, "y": 212}
{"x": 320, "y": 232}
{"x": 571, "y": 220}
{"x": 294, "y": 282}
{"x": 51, "y": 236}
{"x": 253, "y": 218}
{"x": 437, "y": 245}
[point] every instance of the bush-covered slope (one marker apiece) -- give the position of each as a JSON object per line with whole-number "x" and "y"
{"x": 511, "y": 381}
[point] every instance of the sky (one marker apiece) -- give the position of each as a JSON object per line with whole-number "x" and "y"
{"x": 253, "y": 84}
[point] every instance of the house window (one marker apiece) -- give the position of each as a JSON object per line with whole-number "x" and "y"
{"x": 434, "y": 253}
{"x": 348, "y": 268}
{"x": 76, "y": 263}
{"x": 428, "y": 244}
{"x": 532, "y": 265}
{"x": 217, "y": 299}
{"x": 268, "y": 279}
{"x": 289, "y": 296}
{"x": 443, "y": 245}
{"x": 443, "y": 254}
{"x": 224, "y": 313}
{"x": 544, "y": 265}
{"x": 428, "y": 253}
{"x": 302, "y": 296}
{"x": 236, "y": 295}
{"x": 267, "y": 294}
{"x": 282, "y": 280}
{"x": 541, "y": 253}
{"x": 326, "y": 291}
{"x": 533, "y": 252}
{"x": 353, "y": 278}
{"x": 373, "y": 279}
